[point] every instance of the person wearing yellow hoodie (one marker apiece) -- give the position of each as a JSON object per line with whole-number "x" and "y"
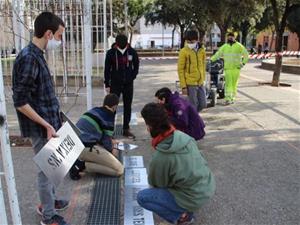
{"x": 191, "y": 70}
{"x": 235, "y": 56}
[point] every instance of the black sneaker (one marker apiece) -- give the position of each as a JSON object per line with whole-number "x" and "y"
{"x": 59, "y": 205}
{"x": 80, "y": 164}
{"x": 128, "y": 134}
{"x": 77, "y": 167}
{"x": 74, "y": 173}
{"x": 55, "y": 220}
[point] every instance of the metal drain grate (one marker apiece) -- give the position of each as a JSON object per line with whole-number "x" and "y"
{"x": 106, "y": 198}
{"x": 105, "y": 206}
{"x": 118, "y": 130}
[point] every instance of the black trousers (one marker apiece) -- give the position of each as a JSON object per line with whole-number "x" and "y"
{"x": 127, "y": 93}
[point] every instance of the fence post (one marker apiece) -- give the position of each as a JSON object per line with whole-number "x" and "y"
{"x": 3, "y": 218}
{"x": 87, "y": 19}
{"x": 7, "y": 160}
{"x": 105, "y": 29}
{"x": 18, "y": 24}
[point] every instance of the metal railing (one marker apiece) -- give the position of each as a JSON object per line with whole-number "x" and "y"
{"x": 80, "y": 57}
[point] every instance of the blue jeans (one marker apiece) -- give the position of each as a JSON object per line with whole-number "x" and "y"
{"x": 161, "y": 202}
{"x": 197, "y": 96}
{"x": 45, "y": 187}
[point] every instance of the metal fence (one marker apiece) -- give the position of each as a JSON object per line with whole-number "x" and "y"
{"x": 79, "y": 59}
{"x": 66, "y": 64}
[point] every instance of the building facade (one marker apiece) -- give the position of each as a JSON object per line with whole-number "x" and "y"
{"x": 154, "y": 36}
{"x": 290, "y": 40}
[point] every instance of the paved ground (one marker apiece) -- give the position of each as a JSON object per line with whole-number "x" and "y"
{"x": 252, "y": 147}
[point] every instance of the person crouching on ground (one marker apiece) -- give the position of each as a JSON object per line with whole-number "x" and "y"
{"x": 180, "y": 179}
{"x": 97, "y": 127}
{"x": 182, "y": 114}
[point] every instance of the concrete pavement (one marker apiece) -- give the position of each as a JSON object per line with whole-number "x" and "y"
{"x": 252, "y": 147}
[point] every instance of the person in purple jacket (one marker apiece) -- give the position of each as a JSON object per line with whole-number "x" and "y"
{"x": 182, "y": 113}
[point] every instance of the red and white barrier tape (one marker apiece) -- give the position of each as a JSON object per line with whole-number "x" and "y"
{"x": 251, "y": 56}
{"x": 268, "y": 55}
{"x": 158, "y": 58}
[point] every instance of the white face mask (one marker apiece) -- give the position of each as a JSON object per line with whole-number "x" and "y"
{"x": 53, "y": 44}
{"x": 122, "y": 50}
{"x": 192, "y": 45}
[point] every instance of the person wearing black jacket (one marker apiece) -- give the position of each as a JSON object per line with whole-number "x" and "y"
{"x": 121, "y": 69}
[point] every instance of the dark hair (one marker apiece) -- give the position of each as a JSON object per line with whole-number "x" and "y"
{"x": 156, "y": 116}
{"x": 111, "y": 100}
{"x": 163, "y": 93}
{"x": 121, "y": 40}
{"x": 191, "y": 35}
{"x": 230, "y": 34}
{"x": 46, "y": 21}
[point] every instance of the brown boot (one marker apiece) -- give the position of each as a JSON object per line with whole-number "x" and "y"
{"x": 128, "y": 134}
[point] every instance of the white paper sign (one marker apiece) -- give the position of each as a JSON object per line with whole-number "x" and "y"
{"x": 125, "y": 146}
{"x": 133, "y": 161}
{"x": 136, "y": 176}
{"x": 134, "y": 214}
{"x": 59, "y": 154}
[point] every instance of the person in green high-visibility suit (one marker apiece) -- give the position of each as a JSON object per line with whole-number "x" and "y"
{"x": 235, "y": 56}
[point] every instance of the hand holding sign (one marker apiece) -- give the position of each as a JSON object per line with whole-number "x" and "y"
{"x": 59, "y": 154}
{"x": 50, "y": 132}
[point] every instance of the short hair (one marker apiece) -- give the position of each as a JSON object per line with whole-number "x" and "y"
{"x": 111, "y": 100}
{"x": 230, "y": 34}
{"x": 191, "y": 35}
{"x": 156, "y": 116}
{"x": 121, "y": 38}
{"x": 163, "y": 93}
{"x": 46, "y": 21}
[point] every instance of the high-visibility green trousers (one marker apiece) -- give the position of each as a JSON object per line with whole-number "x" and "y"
{"x": 231, "y": 83}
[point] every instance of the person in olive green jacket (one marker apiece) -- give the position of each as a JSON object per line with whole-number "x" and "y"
{"x": 235, "y": 56}
{"x": 180, "y": 179}
{"x": 191, "y": 70}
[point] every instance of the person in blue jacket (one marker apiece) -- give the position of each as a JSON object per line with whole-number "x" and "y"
{"x": 97, "y": 128}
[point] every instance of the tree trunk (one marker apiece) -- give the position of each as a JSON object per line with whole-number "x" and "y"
{"x": 244, "y": 37}
{"x": 276, "y": 74}
{"x": 131, "y": 34}
{"x": 223, "y": 30}
{"x": 182, "y": 40}
{"x": 298, "y": 34}
{"x": 173, "y": 32}
{"x": 278, "y": 61}
{"x": 201, "y": 36}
